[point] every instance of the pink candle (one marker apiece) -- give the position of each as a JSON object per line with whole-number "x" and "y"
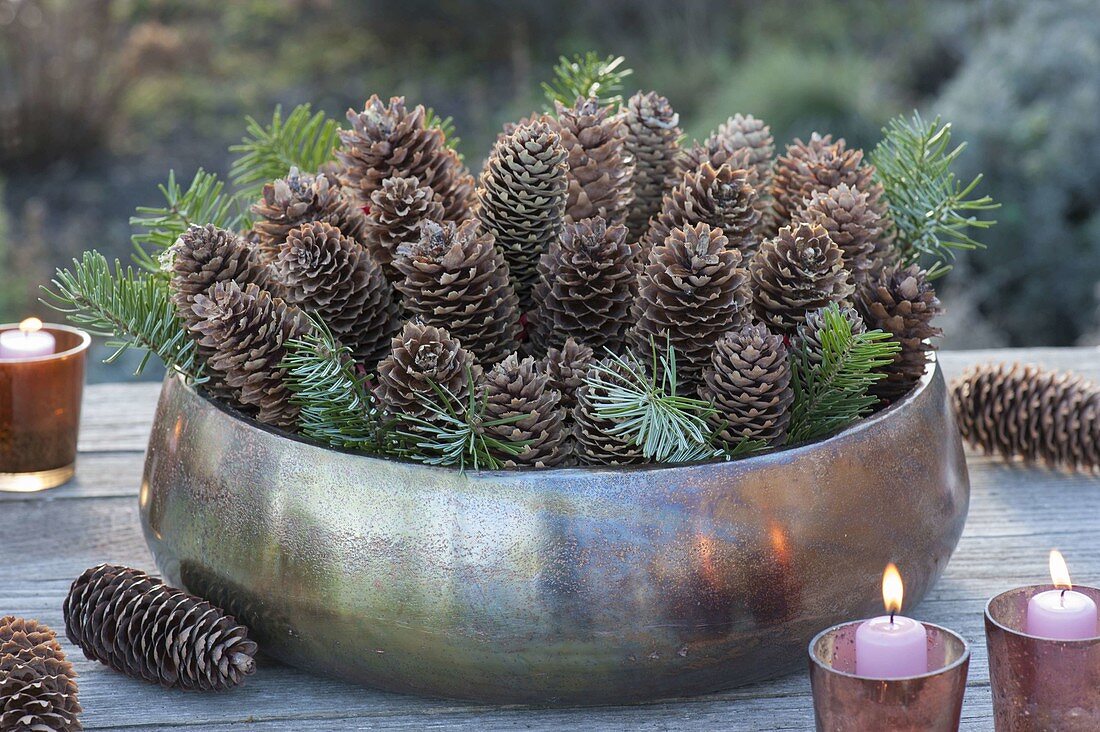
{"x": 891, "y": 646}
{"x": 27, "y": 342}
{"x": 1061, "y": 614}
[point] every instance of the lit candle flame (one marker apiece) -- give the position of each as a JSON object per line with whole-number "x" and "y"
{"x": 892, "y": 589}
{"x": 1059, "y": 572}
{"x": 30, "y": 325}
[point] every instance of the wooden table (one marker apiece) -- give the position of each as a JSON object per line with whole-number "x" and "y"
{"x": 47, "y": 539}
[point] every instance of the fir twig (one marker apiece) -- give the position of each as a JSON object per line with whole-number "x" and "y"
{"x": 133, "y": 309}
{"x": 303, "y": 139}
{"x": 586, "y": 76}
{"x": 446, "y": 125}
{"x": 158, "y": 227}
{"x": 932, "y": 209}
{"x": 832, "y": 393}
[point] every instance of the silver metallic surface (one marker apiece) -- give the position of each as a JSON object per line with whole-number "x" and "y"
{"x": 581, "y": 586}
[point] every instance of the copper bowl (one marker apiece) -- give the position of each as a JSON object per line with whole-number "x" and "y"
{"x": 563, "y": 586}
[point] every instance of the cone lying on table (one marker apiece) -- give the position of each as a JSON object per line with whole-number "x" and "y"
{"x": 397, "y": 209}
{"x": 38, "y": 690}
{"x": 566, "y": 368}
{"x": 799, "y": 271}
{"x": 748, "y": 381}
{"x": 247, "y": 329}
{"x": 1030, "y": 413}
{"x": 902, "y": 302}
{"x": 321, "y": 271}
{"x": 817, "y": 166}
{"x": 594, "y": 440}
{"x": 420, "y": 356}
{"x": 298, "y": 199}
{"x": 455, "y": 278}
{"x": 139, "y": 626}
{"x": 516, "y": 388}
{"x": 522, "y": 199}
{"x": 651, "y": 136}
{"x": 586, "y": 288}
{"x": 600, "y": 168}
{"x": 390, "y": 141}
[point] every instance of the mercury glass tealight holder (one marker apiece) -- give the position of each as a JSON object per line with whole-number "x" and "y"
{"x": 1040, "y": 683}
{"x": 40, "y": 412}
{"x": 846, "y": 702}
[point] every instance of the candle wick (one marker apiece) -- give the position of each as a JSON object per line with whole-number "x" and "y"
{"x": 1062, "y": 597}
{"x": 891, "y": 617}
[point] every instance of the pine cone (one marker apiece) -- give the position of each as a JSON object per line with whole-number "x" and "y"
{"x": 651, "y": 137}
{"x": 817, "y": 166}
{"x": 600, "y": 168}
{"x": 247, "y": 330}
{"x": 586, "y": 288}
{"x": 514, "y": 387}
{"x": 692, "y": 291}
{"x": 799, "y": 271}
{"x": 566, "y": 368}
{"x": 1030, "y": 413}
{"x": 397, "y": 209}
{"x": 388, "y": 141}
{"x": 455, "y": 278}
{"x": 749, "y": 382}
{"x": 722, "y": 198}
{"x": 808, "y": 333}
{"x": 852, "y": 223}
{"x": 38, "y": 688}
{"x": 139, "y": 626}
{"x": 298, "y": 199}
{"x": 522, "y": 199}
{"x": 201, "y": 257}
{"x": 594, "y": 442}
{"x": 902, "y": 302}
{"x": 323, "y": 272}
{"x": 422, "y": 355}
{"x": 741, "y": 138}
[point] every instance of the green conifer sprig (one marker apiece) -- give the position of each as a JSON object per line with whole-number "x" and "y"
{"x": 133, "y": 309}
{"x": 930, "y": 206}
{"x": 587, "y": 75}
{"x": 304, "y": 139}
{"x": 157, "y": 227}
{"x": 446, "y": 125}
{"x": 832, "y": 393}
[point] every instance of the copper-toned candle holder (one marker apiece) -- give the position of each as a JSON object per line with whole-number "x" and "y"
{"x": 845, "y": 702}
{"x": 1040, "y": 683}
{"x": 40, "y": 412}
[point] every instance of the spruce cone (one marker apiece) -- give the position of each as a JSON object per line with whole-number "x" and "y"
{"x": 422, "y": 355}
{"x": 651, "y": 137}
{"x": 808, "y": 334}
{"x": 722, "y": 198}
{"x": 852, "y": 223}
{"x": 817, "y": 166}
{"x": 600, "y": 168}
{"x": 586, "y": 287}
{"x": 323, "y": 272}
{"x": 594, "y": 442}
{"x": 749, "y": 382}
{"x": 522, "y": 199}
{"x": 397, "y": 209}
{"x": 38, "y": 689}
{"x": 143, "y": 628}
{"x": 389, "y": 141}
{"x": 515, "y": 387}
{"x": 566, "y": 368}
{"x": 455, "y": 278}
{"x": 799, "y": 271}
{"x": 298, "y": 199}
{"x": 692, "y": 291}
{"x": 247, "y": 330}
{"x": 1030, "y": 413}
{"x": 902, "y": 302}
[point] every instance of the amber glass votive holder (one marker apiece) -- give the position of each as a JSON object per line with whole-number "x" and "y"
{"x": 40, "y": 412}
{"x": 846, "y": 702}
{"x": 1040, "y": 683}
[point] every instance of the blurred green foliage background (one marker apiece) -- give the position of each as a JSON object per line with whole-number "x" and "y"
{"x": 99, "y": 98}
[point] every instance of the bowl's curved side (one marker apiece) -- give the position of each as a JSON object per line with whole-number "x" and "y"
{"x": 571, "y": 586}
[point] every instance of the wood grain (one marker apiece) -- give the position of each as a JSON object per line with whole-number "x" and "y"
{"x": 1016, "y": 514}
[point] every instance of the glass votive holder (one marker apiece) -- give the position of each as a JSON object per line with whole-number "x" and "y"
{"x": 40, "y": 412}
{"x": 846, "y": 702}
{"x": 1040, "y": 683}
